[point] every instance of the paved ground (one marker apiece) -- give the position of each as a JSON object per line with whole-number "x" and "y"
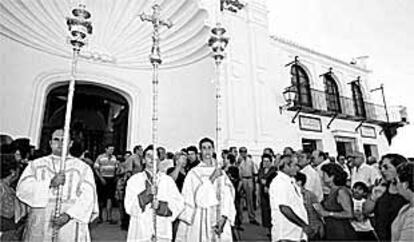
{"x": 109, "y": 233}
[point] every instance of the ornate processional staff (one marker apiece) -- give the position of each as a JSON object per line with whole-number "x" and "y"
{"x": 155, "y": 59}
{"x": 79, "y": 28}
{"x": 218, "y": 43}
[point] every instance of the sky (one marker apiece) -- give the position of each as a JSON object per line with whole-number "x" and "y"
{"x": 380, "y": 29}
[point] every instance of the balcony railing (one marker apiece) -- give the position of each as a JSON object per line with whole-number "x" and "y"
{"x": 374, "y": 113}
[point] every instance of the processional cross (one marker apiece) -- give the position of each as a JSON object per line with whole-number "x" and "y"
{"x": 156, "y": 60}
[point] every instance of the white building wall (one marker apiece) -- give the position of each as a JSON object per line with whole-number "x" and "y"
{"x": 256, "y": 77}
{"x": 186, "y": 95}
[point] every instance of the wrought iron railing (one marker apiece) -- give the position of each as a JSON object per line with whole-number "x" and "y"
{"x": 348, "y": 109}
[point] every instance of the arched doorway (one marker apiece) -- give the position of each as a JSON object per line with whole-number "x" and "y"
{"x": 99, "y": 117}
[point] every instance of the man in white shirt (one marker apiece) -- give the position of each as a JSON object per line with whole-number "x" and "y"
{"x": 165, "y": 163}
{"x": 319, "y": 159}
{"x": 340, "y": 160}
{"x": 313, "y": 182}
{"x": 289, "y": 217}
{"x": 363, "y": 172}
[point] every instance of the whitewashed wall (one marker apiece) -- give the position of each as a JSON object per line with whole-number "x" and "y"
{"x": 186, "y": 98}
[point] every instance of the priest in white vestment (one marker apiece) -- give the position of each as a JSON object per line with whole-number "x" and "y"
{"x": 38, "y": 186}
{"x": 139, "y": 203}
{"x": 209, "y": 196}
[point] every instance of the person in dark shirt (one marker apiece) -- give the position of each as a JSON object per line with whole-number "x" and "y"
{"x": 192, "y": 159}
{"x": 178, "y": 172}
{"x": 384, "y": 200}
{"x": 234, "y": 175}
{"x": 266, "y": 171}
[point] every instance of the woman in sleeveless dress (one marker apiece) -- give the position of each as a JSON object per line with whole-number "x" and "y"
{"x": 337, "y": 208}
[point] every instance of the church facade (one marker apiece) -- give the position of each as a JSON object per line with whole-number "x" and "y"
{"x": 331, "y": 108}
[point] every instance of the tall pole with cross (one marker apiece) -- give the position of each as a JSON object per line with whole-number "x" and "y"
{"x": 156, "y": 60}
{"x": 79, "y": 27}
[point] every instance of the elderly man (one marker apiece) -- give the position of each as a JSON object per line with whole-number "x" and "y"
{"x": 289, "y": 216}
{"x": 38, "y": 187}
{"x": 363, "y": 172}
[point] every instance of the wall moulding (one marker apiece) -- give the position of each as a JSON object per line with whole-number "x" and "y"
{"x": 119, "y": 38}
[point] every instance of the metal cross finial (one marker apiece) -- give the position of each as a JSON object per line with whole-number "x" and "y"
{"x": 155, "y": 59}
{"x": 157, "y": 22}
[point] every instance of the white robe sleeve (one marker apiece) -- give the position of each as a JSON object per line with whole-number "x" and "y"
{"x": 133, "y": 188}
{"x": 31, "y": 189}
{"x": 175, "y": 199}
{"x": 190, "y": 183}
{"x": 227, "y": 200}
{"x": 85, "y": 208}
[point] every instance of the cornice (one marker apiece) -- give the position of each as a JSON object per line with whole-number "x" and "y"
{"x": 119, "y": 38}
{"x": 314, "y": 52}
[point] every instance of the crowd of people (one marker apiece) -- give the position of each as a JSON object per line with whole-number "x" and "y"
{"x": 198, "y": 196}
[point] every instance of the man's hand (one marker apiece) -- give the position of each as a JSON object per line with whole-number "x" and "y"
{"x": 58, "y": 179}
{"x": 60, "y": 221}
{"x": 219, "y": 227}
{"x": 216, "y": 174}
{"x": 309, "y": 231}
{"x": 155, "y": 204}
{"x": 181, "y": 161}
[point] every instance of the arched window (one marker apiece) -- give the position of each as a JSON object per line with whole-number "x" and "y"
{"x": 359, "y": 105}
{"x": 332, "y": 94}
{"x": 300, "y": 81}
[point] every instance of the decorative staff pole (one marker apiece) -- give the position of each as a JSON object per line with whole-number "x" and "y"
{"x": 218, "y": 43}
{"x": 79, "y": 28}
{"x": 155, "y": 59}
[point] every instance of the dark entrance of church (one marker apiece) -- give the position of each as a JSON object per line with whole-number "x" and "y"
{"x": 99, "y": 117}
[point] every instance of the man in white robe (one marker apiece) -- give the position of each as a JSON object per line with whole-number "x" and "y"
{"x": 139, "y": 203}
{"x": 38, "y": 186}
{"x": 207, "y": 189}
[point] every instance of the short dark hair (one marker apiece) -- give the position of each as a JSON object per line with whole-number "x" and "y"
{"x": 283, "y": 164}
{"x": 267, "y": 156}
{"x": 405, "y": 173}
{"x": 322, "y": 154}
{"x": 128, "y": 152}
{"x": 361, "y": 185}
{"x": 7, "y": 165}
{"x": 149, "y": 147}
{"x": 333, "y": 169}
{"x": 301, "y": 177}
{"x": 192, "y": 148}
{"x": 136, "y": 148}
{"x": 231, "y": 158}
{"x": 170, "y": 155}
{"x": 232, "y": 148}
{"x": 289, "y": 148}
{"x": 270, "y": 150}
{"x": 395, "y": 159}
{"x": 205, "y": 140}
{"x": 109, "y": 145}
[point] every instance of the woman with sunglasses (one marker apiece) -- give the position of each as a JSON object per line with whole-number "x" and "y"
{"x": 384, "y": 200}
{"x": 403, "y": 225}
